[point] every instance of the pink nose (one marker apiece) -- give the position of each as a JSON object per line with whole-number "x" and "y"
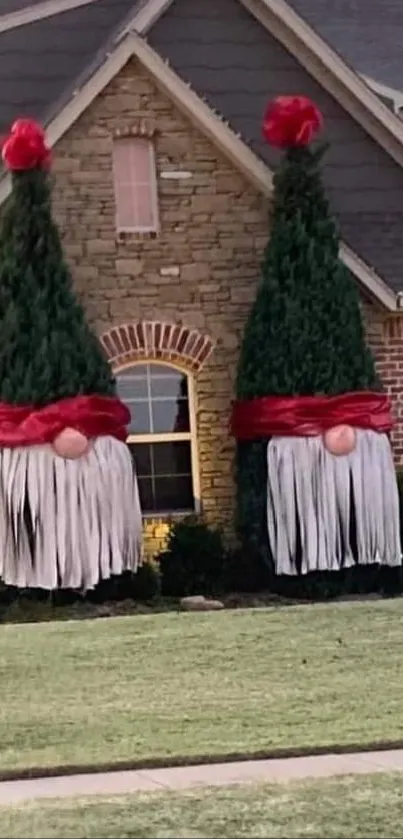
{"x": 71, "y": 444}
{"x": 339, "y": 440}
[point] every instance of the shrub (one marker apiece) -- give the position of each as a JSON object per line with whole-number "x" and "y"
{"x": 194, "y": 560}
{"x": 146, "y": 584}
{"x": 246, "y": 572}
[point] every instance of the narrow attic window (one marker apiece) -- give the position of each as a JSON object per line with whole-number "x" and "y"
{"x": 135, "y": 181}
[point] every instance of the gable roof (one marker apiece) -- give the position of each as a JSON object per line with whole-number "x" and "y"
{"x": 366, "y": 33}
{"x": 299, "y": 18}
{"x": 77, "y": 30}
{"x": 332, "y": 72}
{"x": 10, "y": 7}
{"x": 16, "y": 13}
{"x": 199, "y": 113}
{"x": 44, "y": 59}
{"x": 71, "y": 54}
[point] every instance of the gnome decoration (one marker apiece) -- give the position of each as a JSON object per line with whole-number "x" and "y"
{"x": 69, "y": 504}
{"x": 315, "y": 477}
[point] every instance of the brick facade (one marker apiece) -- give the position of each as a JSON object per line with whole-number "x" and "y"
{"x": 172, "y": 343}
{"x": 389, "y": 353}
{"x": 183, "y": 295}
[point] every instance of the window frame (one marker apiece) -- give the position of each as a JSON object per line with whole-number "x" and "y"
{"x": 172, "y": 436}
{"x": 153, "y": 187}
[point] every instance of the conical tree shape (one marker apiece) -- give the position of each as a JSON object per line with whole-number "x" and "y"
{"x": 304, "y": 337}
{"x": 305, "y": 333}
{"x": 69, "y": 504}
{"x": 47, "y": 349}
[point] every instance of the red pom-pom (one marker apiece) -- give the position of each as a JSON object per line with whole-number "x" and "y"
{"x": 25, "y": 147}
{"x": 291, "y": 121}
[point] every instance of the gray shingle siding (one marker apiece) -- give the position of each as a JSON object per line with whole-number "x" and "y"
{"x": 40, "y": 61}
{"x": 8, "y": 7}
{"x": 367, "y": 33}
{"x": 232, "y": 62}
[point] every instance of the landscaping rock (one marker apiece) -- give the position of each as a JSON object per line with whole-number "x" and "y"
{"x": 214, "y": 605}
{"x": 192, "y": 601}
{"x": 198, "y": 603}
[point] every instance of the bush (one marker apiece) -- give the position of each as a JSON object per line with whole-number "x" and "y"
{"x": 194, "y": 561}
{"x": 143, "y": 586}
{"x": 146, "y": 584}
{"x": 246, "y": 572}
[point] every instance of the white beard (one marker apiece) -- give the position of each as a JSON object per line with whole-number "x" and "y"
{"x": 312, "y": 496}
{"x": 68, "y": 523}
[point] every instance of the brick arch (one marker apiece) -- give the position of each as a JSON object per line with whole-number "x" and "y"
{"x": 149, "y": 340}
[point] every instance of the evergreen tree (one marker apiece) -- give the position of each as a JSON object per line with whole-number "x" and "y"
{"x": 304, "y": 335}
{"x": 69, "y": 504}
{"x": 47, "y": 349}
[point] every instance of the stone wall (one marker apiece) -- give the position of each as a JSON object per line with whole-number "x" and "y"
{"x": 199, "y": 274}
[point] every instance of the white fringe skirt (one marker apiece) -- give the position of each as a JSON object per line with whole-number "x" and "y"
{"x": 68, "y": 523}
{"x": 330, "y": 511}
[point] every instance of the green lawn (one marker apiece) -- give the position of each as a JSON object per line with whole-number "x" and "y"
{"x": 348, "y": 808}
{"x": 175, "y": 685}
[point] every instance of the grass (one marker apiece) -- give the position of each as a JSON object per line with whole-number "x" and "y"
{"x": 134, "y": 689}
{"x": 362, "y": 806}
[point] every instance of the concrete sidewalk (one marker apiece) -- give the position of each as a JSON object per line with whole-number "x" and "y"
{"x": 210, "y": 775}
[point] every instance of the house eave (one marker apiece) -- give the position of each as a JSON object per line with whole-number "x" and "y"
{"x": 331, "y": 72}
{"x": 391, "y": 93}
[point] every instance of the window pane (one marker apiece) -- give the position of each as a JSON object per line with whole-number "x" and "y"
{"x": 134, "y": 182}
{"x": 121, "y": 161}
{"x": 169, "y": 385}
{"x": 173, "y": 494}
{"x": 142, "y": 458}
{"x": 126, "y": 209}
{"x": 182, "y": 423}
{"x": 140, "y": 160}
{"x": 170, "y": 416}
{"x": 137, "y": 371}
{"x": 164, "y": 476}
{"x": 163, "y": 370}
{"x": 162, "y": 459}
{"x": 140, "y": 417}
{"x": 168, "y": 390}
{"x": 132, "y": 387}
{"x": 146, "y": 495}
{"x": 172, "y": 458}
{"x": 145, "y": 207}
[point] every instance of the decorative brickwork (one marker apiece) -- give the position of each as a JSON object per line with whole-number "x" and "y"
{"x": 393, "y": 328}
{"x": 154, "y": 340}
{"x": 143, "y": 128}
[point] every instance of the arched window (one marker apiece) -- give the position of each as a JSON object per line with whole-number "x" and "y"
{"x": 162, "y": 436}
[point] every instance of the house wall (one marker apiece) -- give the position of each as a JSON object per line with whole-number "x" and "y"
{"x": 385, "y": 336}
{"x": 213, "y": 229}
{"x": 199, "y": 273}
{"x": 237, "y": 66}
